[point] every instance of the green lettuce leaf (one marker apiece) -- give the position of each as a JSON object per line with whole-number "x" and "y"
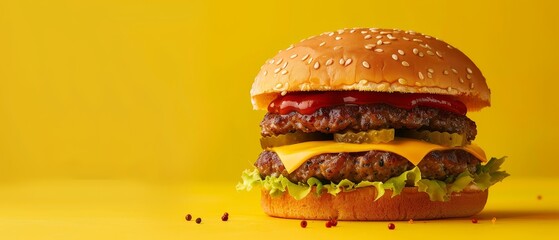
{"x": 486, "y": 176}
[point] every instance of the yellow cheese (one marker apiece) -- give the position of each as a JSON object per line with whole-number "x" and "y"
{"x": 292, "y": 156}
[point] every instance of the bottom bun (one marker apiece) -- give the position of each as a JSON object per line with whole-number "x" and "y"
{"x": 360, "y": 205}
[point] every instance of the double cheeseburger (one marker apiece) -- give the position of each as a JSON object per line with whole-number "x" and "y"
{"x": 370, "y": 124}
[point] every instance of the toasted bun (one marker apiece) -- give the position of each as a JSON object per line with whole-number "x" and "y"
{"x": 360, "y": 205}
{"x": 382, "y": 60}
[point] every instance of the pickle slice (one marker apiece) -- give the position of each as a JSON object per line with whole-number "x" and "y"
{"x": 372, "y": 136}
{"x": 436, "y": 137}
{"x": 292, "y": 138}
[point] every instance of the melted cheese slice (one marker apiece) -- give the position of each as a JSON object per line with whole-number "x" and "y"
{"x": 292, "y": 156}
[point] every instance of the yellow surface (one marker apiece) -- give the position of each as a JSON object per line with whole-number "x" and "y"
{"x": 85, "y": 209}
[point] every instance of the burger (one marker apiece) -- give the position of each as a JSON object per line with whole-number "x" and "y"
{"x": 371, "y": 124}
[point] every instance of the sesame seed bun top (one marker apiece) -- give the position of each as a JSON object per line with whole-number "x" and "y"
{"x": 369, "y": 59}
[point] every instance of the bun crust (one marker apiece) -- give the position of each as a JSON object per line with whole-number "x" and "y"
{"x": 367, "y": 59}
{"x": 360, "y": 205}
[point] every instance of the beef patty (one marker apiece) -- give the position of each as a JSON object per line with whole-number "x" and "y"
{"x": 342, "y": 118}
{"x": 370, "y": 166}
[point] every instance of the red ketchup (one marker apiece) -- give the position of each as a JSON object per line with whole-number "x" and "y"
{"x": 309, "y": 102}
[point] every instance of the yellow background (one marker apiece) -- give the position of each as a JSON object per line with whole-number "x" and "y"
{"x": 159, "y": 90}
{"x": 101, "y": 99}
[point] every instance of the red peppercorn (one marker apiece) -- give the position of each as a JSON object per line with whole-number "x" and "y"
{"x": 198, "y": 220}
{"x": 225, "y": 217}
{"x": 328, "y": 224}
{"x": 474, "y": 220}
{"x": 334, "y": 222}
{"x": 391, "y": 226}
{"x": 303, "y": 224}
{"x": 188, "y": 217}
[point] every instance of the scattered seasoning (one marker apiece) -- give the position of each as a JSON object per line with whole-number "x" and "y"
{"x": 333, "y": 222}
{"x": 188, "y": 217}
{"x": 303, "y": 223}
{"x": 410, "y": 221}
{"x": 539, "y": 197}
{"x": 474, "y": 220}
{"x": 494, "y": 220}
{"x": 225, "y": 217}
{"x": 328, "y": 224}
{"x": 198, "y": 220}
{"x": 391, "y": 226}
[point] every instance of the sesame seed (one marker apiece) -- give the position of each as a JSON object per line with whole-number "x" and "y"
{"x": 421, "y": 54}
{"x": 278, "y": 86}
{"x": 337, "y": 47}
{"x": 454, "y": 70}
{"x": 279, "y": 61}
{"x": 415, "y": 51}
{"x": 430, "y": 53}
{"x": 330, "y": 34}
{"x": 472, "y": 85}
{"x": 363, "y": 32}
{"x": 352, "y": 31}
{"x": 342, "y": 61}
{"x": 379, "y": 50}
{"x": 402, "y": 81}
{"x": 363, "y": 81}
{"x": 293, "y": 56}
{"x": 445, "y": 72}
{"x": 305, "y": 57}
{"x": 370, "y": 46}
{"x": 379, "y": 42}
{"x": 378, "y": 37}
{"x": 468, "y": 76}
{"x": 386, "y": 42}
{"x": 418, "y": 84}
{"x": 283, "y": 72}
{"x": 417, "y": 40}
{"x": 405, "y": 38}
{"x": 347, "y": 61}
{"x": 461, "y": 80}
{"x": 265, "y": 72}
{"x": 427, "y": 36}
{"x": 405, "y": 64}
{"x": 384, "y": 32}
{"x": 271, "y": 61}
{"x": 424, "y": 45}
{"x": 421, "y": 76}
{"x": 329, "y": 62}
{"x": 316, "y": 65}
{"x": 283, "y": 93}
{"x": 430, "y": 70}
{"x": 395, "y": 57}
{"x": 367, "y": 36}
{"x": 338, "y": 38}
{"x": 469, "y": 70}
{"x": 322, "y": 44}
{"x": 449, "y": 47}
{"x": 429, "y": 75}
{"x": 390, "y": 37}
{"x": 284, "y": 65}
{"x": 277, "y": 70}
{"x": 438, "y": 54}
{"x": 309, "y": 61}
{"x": 401, "y": 52}
{"x": 373, "y": 30}
{"x": 366, "y": 64}
{"x": 289, "y": 48}
{"x": 341, "y": 31}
